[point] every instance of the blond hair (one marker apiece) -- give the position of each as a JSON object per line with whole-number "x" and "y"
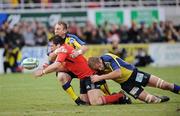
{"x": 92, "y": 61}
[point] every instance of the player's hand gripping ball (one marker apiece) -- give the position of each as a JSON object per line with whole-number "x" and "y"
{"x": 30, "y": 63}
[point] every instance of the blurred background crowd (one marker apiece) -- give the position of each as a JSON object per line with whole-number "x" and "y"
{"x": 37, "y": 34}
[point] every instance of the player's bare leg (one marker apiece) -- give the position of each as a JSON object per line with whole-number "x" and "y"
{"x": 65, "y": 81}
{"x": 63, "y": 77}
{"x": 159, "y": 83}
{"x": 84, "y": 97}
{"x": 94, "y": 96}
{"x": 104, "y": 87}
{"x": 148, "y": 98}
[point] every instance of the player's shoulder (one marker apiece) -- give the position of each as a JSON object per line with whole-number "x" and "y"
{"x": 110, "y": 56}
{"x": 67, "y": 47}
{"x": 106, "y": 56}
{"x": 63, "y": 49}
{"x": 72, "y": 36}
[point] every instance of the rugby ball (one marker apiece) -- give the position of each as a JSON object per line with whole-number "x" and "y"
{"x": 30, "y": 63}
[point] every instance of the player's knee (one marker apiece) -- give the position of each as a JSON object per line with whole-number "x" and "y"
{"x": 84, "y": 98}
{"x": 62, "y": 78}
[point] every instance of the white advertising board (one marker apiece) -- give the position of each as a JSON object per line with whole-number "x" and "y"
{"x": 165, "y": 54}
{"x": 1, "y": 61}
{"x": 36, "y": 52}
{"x": 39, "y": 53}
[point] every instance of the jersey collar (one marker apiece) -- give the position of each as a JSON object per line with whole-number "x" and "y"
{"x": 103, "y": 62}
{"x": 66, "y": 35}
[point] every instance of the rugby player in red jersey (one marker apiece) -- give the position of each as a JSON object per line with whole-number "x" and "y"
{"x": 65, "y": 78}
{"x": 90, "y": 92}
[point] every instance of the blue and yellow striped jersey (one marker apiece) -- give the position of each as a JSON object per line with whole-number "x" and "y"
{"x": 74, "y": 41}
{"x": 113, "y": 62}
{"x": 71, "y": 40}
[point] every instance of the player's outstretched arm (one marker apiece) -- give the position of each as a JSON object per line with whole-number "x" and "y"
{"x": 51, "y": 68}
{"x": 80, "y": 51}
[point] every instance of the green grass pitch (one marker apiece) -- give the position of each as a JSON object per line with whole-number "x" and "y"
{"x": 23, "y": 95}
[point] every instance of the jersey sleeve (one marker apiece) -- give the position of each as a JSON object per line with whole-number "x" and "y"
{"x": 114, "y": 64}
{"x": 76, "y": 41}
{"x": 76, "y": 44}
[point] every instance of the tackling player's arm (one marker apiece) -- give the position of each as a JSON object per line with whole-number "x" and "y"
{"x": 112, "y": 75}
{"x": 79, "y": 51}
{"x": 80, "y": 47}
{"x": 83, "y": 49}
{"x": 115, "y": 67}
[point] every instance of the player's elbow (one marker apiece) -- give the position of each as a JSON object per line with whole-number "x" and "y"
{"x": 52, "y": 57}
{"x": 118, "y": 73}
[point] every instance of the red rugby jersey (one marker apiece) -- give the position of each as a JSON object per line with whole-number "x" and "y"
{"x": 78, "y": 65}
